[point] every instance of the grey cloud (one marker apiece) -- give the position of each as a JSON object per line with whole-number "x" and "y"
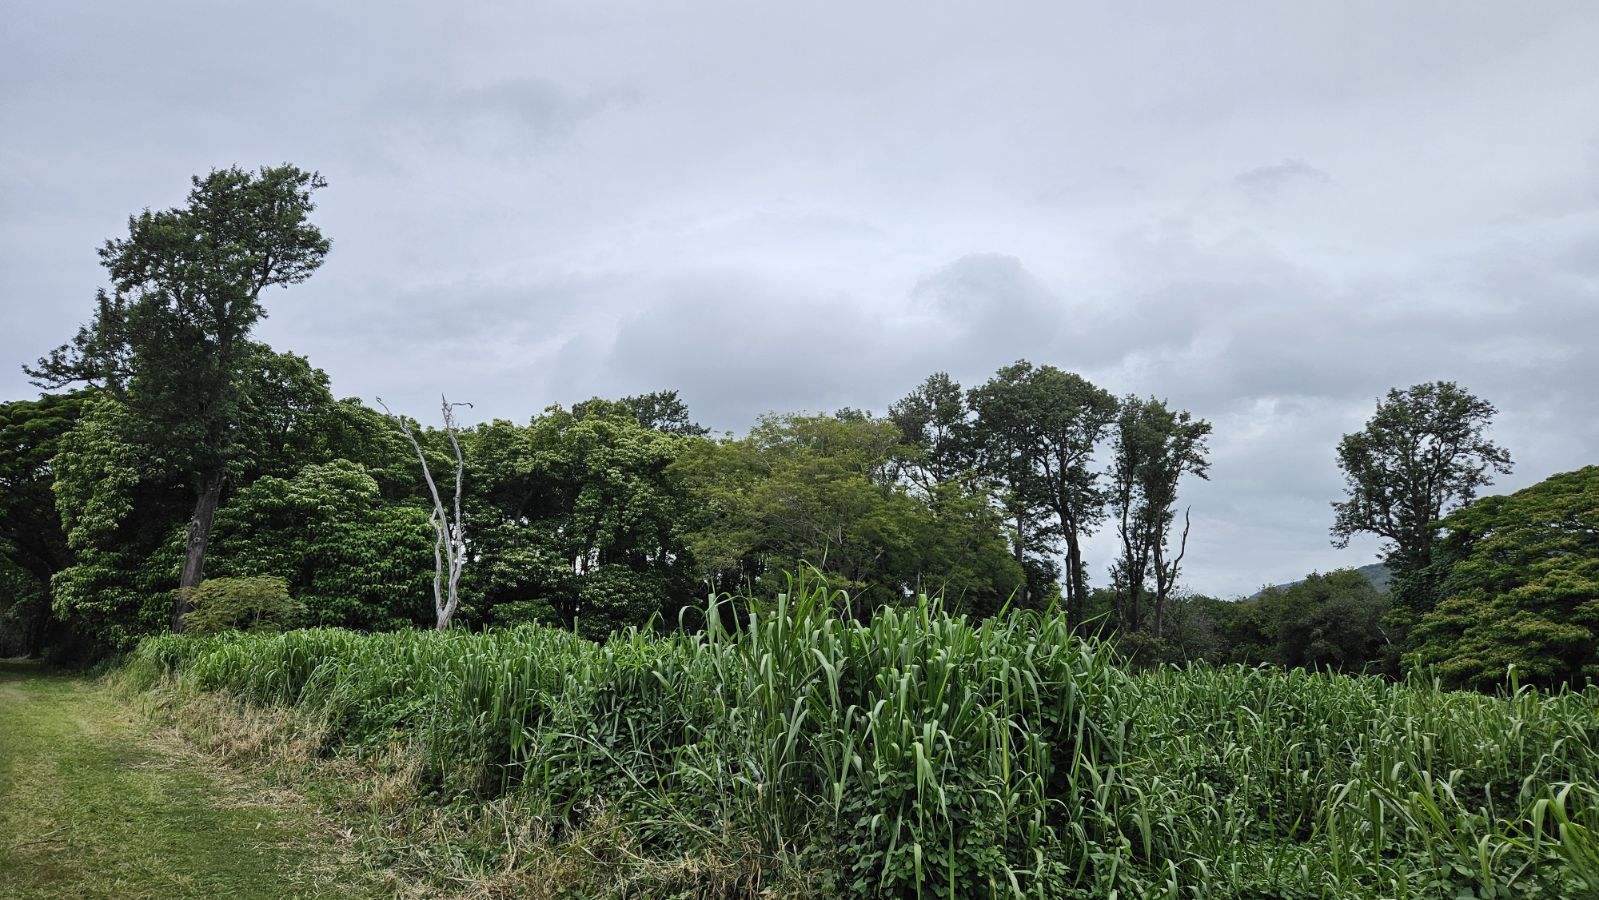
{"x": 806, "y": 207}
{"x": 520, "y": 115}
{"x": 1266, "y": 181}
{"x": 738, "y": 346}
{"x": 988, "y": 303}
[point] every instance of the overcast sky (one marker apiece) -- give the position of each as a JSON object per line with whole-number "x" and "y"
{"x": 1267, "y": 213}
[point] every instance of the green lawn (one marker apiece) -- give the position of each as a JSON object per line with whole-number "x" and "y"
{"x": 93, "y": 804}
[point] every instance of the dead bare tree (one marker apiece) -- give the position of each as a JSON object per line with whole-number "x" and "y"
{"x": 1166, "y": 573}
{"x": 449, "y": 544}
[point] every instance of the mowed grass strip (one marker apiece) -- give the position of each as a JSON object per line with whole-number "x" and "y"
{"x": 92, "y": 805}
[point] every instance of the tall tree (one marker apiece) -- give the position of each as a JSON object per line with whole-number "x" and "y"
{"x": 123, "y": 507}
{"x": 1155, "y": 446}
{"x": 172, "y": 335}
{"x": 1423, "y": 453}
{"x": 934, "y": 421}
{"x": 662, "y": 411}
{"x": 1042, "y": 425}
{"x": 945, "y": 461}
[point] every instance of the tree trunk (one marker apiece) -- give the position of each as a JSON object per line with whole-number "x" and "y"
{"x": 1076, "y": 586}
{"x": 205, "y": 509}
{"x": 1158, "y": 555}
{"x": 1021, "y": 555}
{"x": 1166, "y": 573}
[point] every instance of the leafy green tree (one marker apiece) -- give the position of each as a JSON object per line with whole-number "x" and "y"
{"x": 662, "y": 411}
{"x": 1326, "y": 621}
{"x": 33, "y": 545}
{"x": 1518, "y": 582}
{"x": 123, "y": 505}
{"x": 242, "y": 604}
{"x": 171, "y": 339}
{"x": 1330, "y": 621}
{"x": 1200, "y": 627}
{"x": 962, "y": 554}
{"x": 934, "y": 421}
{"x": 1040, "y": 427}
{"x": 799, "y": 490}
{"x": 1424, "y": 452}
{"x": 612, "y": 597}
{"x": 1154, "y": 447}
{"x": 27, "y": 627}
{"x": 555, "y": 502}
{"x": 821, "y": 491}
{"x": 352, "y": 558}
{"x": 121, "y": 512}
{"x": 287, "y": 419}
{"x": 31, "y": 432}
{"x": 518, "y": 498}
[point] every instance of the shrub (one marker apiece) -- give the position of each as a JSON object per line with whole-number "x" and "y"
{"x": 613, "y": 597}
{"x": 244, "y": 604}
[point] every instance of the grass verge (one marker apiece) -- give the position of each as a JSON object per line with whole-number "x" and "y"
{"x": 95, "y": 802}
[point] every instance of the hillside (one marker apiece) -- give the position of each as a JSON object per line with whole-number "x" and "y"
{"x": 1376, "y": 573}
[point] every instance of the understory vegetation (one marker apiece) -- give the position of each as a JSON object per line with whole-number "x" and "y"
{"x": 786, "y": 746}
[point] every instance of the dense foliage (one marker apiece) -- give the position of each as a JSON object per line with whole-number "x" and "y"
{"x": 1516, "y": 582}
{"x": 171, "y": 339}
{"x": 1333, "y": 621}
{"x": 197, "y": 450}
{"x": 33, "y": 546}
{"x": 916, "y": 753}
{"x": 1424, "y": 452}
{"x": 347, "y": 556}
{"x": 825, "y": 490}
{"x": 241, "y": 604}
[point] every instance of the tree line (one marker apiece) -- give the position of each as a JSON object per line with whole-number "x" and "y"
{"x": 1480, "y": 592}
{"x": 173, "y": 450}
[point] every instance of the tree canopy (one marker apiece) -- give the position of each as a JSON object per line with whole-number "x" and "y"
{"x": 188, "y": 447}
{"x": 1042, "y": 426}
{"x": 1425, "y": 451}
{"x": 1517, "y": 582}
{"x": 171, "y": 339}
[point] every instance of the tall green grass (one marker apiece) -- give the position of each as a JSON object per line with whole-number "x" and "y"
{"x": 922, "y": 754}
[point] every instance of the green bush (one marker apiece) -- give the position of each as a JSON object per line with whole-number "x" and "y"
{"x": 355, "y": 560}
{"x": 613, "y": 597}
{"x": 243, "y": 604}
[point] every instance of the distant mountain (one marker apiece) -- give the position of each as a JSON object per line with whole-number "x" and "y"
{"x": 1376, "y": 573}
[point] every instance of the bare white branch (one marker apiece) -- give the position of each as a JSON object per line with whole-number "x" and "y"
{"x": 449, "y": 544}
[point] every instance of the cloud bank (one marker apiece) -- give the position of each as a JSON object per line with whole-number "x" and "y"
{"x": 1268, "y": 216}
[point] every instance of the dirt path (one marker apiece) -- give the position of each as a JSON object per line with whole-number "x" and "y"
{"x": 92, "y": 805}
